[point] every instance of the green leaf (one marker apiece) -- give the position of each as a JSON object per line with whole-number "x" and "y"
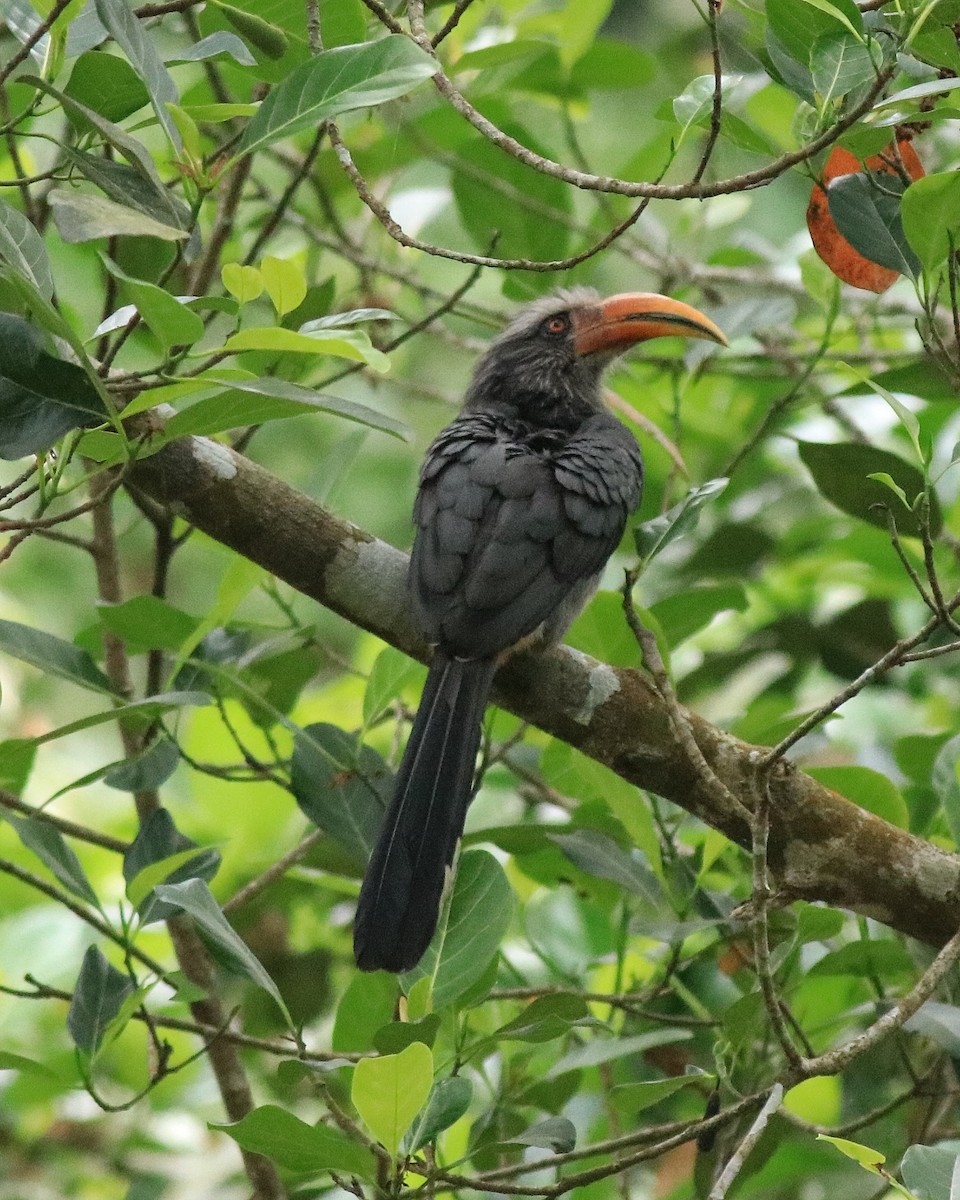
{"x": 798, "y": 25}
{"x": 342, "y": 22}
{"x": 127, "y": 31}
{"x": 150, "y": 861}
{"x": 133, "y": 151}
{"x": 841, "y": 472}
{"x": 168, "y": 319}
{"x": 338, "y": 81}
{"x": 866, "y": 209}
{"x": 147, "y": 623}
{"x": 216, "y": 45}
{"x": 271, "y": 399}
{"x": 844, "y": 11}
{"x": 268, "y": 38}
{"x": 883, "y": 957}
{"x": 635, "y": 1097}
{"x": 148, "y": 771}
{"x": 195, "y": 898}
{"x": 47, "y": 843}
{"x": 544, "y": 1019}
{"x": 932, "y": 1172}
{"x": 130, "y": 188}
{"x": 342, "y": 785}
{"x": 604, "y": 1050}
{"x": 558, "y": 1134}
{"x": 352, "y": 344}
{"x": 285, "y": 283}
{"x": 16, "y": 762}
{"x": 598, "y": 854}
{"x": 655, "y": 535}
{"x": 355, "y": 316}
{"x": 449, "y": 1101}
{"x": 81, "y": 217}
{"x": 52, "y": 655}
{"x": 144, "y": 882}
{"x": 366, "y": 1006}
{"x": 840, "y": 62}
{"x": 930, "y": 211}
{"x": 868, "y": 789}
{"x": 686, "y": 613}
{"x": 938, "y": 1022}
{"x": 97, "y": 999}
{"x": 108, "y": 85}
{"x": 297, "y": 1146}
{"x": 398, "y": 1035}
{"x": 26, "y": 1066}
{"x": 42, "y": 397}
{"x": 22, "y": 248}
{"x": 246, "y": 283}
{"x": 864, "y": 1155}
{"x": 145, "y": 710}
{"x": 945, "y": 782}
{"x": 392, "y": 671}
{"x": 888, "y": 482}
{"x": 480, "y": 912}
{"x": 537, "y": 230}
{"x": 388, "y": 1092}
{"x": 919, "y": 91}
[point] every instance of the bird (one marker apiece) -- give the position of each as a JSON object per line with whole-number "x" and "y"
{"x": 521, "y": 501}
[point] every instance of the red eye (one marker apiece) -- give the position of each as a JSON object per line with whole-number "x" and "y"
{"x": 558, "y": 324}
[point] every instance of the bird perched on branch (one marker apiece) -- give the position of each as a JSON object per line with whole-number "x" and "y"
{"x": 522, "y": 500}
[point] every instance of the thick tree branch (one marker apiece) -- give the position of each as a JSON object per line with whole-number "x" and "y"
{"x": 821, "y": 847}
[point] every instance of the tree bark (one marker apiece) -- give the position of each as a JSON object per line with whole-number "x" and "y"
{"x": 821, "y": 846}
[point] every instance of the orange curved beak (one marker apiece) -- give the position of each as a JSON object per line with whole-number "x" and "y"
{"x": 631, "y": 317}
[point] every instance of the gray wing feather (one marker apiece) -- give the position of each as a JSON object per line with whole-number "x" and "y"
{"x": 514, "y": 525}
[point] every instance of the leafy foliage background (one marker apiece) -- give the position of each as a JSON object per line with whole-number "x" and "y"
{"x": 289, "y": 230}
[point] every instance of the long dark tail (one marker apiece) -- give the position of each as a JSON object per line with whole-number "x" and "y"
{"x": 402, "y": 889}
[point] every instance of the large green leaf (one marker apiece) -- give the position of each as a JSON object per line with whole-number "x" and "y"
{"x": 128, "y": 32}
{"x": 338, "y": 81}
{"x": 797, "y": 24}
{"x": 108, "y": 85}
{"x": 193, "y": 897}
{"x": 130, "y": 188}
{"x": 47, "y": 843}
{"x": 865, "y": 207}
{"x": 350, "y": 343}
{"x": 389, "y": 1091}
{"x": 23, "y": 249}
{"x": 342, "y": 785}
{"x": 83, "y": 217}
{"x": 842, "y": 473}
{"x": 933, "y": 1172}
{"x": 42, "y": 397}
{"x": 840, "y": 63}
{"x": 480, "y": 912}
{"x": 97, "y": 999}
{"x": 52, "y": 655}
{"x": 656, "y": 534}
{"x": 499, "y": 199}
{"x": 271, "y": 399}
{"x": 299, "y": 1147}
{"x": 449, "y": 1100}
{"x": 132, "y": 150}
{"x": 930, "y": 211}
{"x": 167, "y": 318}
{"x": 161, "y": 854}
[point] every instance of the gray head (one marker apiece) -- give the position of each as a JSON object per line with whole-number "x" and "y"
{"x": 548, "y": 362}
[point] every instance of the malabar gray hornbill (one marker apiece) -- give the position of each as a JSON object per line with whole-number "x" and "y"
{"x": 522, "y": 500}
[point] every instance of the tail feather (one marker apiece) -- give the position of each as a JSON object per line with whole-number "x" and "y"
{"x": 403, "y": 887}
